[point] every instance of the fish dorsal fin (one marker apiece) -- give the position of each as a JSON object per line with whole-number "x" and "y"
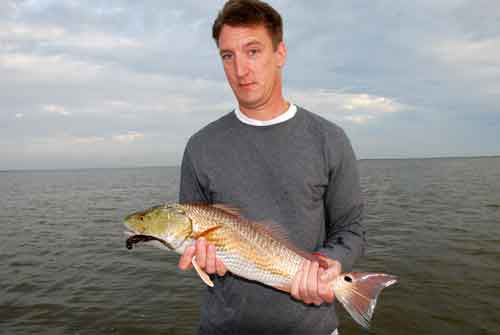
{"x": 228, "y": 209}
{"x": 275, "y": 230}
{"x": 279, "y": 233}
{"x": 272, "y": 228}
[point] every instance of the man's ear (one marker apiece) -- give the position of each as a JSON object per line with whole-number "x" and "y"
{"x": 281, "y": 54}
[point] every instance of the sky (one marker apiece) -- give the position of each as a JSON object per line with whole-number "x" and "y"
{"x": 123, "y": 83}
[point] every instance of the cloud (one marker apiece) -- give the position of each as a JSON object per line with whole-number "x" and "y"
{"x": 360, "y": 119}
{"x": 131, "y": 136}
{"x": 60, "y": 66}
{"x": 359, "y": 108}
{"x": 86, "y": 140}
{"x": 126, "y": 138}
{"x": 480, "y": 58}
{"x": 56, "y": 110}
{"x": 20, "y": 32}
{"x": 51, "y": 36}
{"x": 64, "y": 142}
{"x": 134, "y": 80}
{"x": 373, "y": 103}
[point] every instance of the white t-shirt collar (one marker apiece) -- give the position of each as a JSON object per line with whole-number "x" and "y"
{"x": 290, "y": 113}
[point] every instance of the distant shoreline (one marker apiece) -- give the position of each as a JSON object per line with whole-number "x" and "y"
{"x": 178, "y": 166}
{"x": 428, "y": 158}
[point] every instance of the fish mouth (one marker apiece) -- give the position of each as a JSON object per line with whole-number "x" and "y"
{"x": 137, "y": 238}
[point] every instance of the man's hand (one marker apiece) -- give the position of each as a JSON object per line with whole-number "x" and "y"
{"x": 313, "y": 284}
{"x": 205, "y": 257}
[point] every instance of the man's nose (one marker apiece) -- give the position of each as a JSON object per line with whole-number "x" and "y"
{"x": 241, "y": 67}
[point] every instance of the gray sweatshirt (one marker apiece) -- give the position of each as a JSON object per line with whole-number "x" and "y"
{"x": 301, "y": 174}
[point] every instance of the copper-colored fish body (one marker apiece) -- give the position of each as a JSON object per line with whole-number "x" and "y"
{"x": 250, "y": 250}
{"x": 254, "y": 251}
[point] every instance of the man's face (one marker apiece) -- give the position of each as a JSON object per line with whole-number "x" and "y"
{"x": 252, "y": 66}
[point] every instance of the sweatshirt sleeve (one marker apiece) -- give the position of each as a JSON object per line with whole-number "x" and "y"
{"x": 190, "y": 190}
{"x": 345, "y": 236}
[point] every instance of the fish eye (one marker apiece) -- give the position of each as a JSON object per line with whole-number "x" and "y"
{"x": 348, "y": 279}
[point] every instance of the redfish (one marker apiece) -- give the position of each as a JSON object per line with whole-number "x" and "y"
{"x": 255, "y": 251}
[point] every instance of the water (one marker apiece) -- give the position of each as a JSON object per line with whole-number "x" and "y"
{"x": 65, "y": 269}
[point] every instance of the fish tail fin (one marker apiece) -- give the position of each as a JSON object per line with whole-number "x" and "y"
{"x": 358, "y": 293}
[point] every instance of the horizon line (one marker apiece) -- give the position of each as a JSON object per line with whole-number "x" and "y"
{"x": 178, "y": 166}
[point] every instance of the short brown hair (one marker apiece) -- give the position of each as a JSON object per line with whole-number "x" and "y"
{"x": 249, "y": 13}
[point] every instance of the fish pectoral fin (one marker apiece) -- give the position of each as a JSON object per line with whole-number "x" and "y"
{"x": 203, "y": 275}
{"x": 206, "y": 233}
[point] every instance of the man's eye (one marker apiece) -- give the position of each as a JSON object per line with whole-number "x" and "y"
{"x": 253, "y": 52}
{"x": 226, "y": 57}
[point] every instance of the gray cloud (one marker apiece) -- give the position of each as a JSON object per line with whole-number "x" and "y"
{"x": 126, "y": 83}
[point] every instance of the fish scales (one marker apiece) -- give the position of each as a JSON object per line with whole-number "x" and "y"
{"x": 245, "y": 249}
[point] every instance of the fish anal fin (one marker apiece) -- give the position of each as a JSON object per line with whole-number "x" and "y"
{"x": 203, "y": 275}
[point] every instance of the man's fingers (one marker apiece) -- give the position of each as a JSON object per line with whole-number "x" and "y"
{"x": 326, "y": 280}
{"x": 221, "y": 268}
{"x": 210, "y": 262}
{"x": 313, "y": 284}
{"x": 332, "y": 272}
{"x": 303, "y": 288}
{"x": 205, "y": 258}
{"x": 296, "y": 284}
{"x": 325, "y": 290}
{"x": 185, "y": 260}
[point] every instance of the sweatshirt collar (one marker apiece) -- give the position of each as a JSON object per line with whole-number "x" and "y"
{"x": 290, "y": 113}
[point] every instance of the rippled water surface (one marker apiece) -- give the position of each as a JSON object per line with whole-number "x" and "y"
{"x": 65, "y": 269}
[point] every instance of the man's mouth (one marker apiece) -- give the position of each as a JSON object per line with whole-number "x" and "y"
{"x": 246, "y": 85}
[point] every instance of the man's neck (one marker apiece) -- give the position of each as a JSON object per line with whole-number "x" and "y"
{"x": 268, "y": 112}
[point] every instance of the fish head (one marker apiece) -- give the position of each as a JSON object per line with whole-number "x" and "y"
{"x": 165, "y": 226}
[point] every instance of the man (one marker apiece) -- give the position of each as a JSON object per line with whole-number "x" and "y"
{"x": 274, "y": 161}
